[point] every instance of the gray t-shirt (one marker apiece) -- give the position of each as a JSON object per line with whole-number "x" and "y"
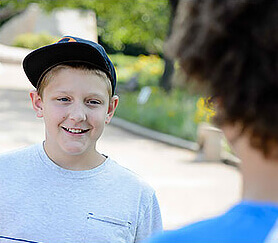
{"x": 42, "y": 202}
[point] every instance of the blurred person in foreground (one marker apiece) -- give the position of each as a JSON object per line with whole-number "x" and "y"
{"x": 231, "y": 47}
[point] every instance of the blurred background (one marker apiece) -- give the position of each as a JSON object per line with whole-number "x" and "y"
{"x": 133, "y": 34}
{"x": 185, "y": 165}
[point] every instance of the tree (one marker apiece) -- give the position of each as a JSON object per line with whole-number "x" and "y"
{"x": 130, "y": 22}
{"x": 166, "y": 79}
{"x": 7, "y": 11}
{"x": 140, "y": 23}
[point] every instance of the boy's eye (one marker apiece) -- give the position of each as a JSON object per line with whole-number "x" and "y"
{"x": 93, "y": 102}
{"x": 64, "y": 99}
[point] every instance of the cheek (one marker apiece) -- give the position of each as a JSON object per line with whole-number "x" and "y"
{"x": 54, "y": 114}
{"x": 97, "y": 117}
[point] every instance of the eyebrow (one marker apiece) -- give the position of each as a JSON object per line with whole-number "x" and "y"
{"x": 94, "y": 94}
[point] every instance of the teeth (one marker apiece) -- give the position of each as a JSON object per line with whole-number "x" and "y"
{"x": 74, "y": 130}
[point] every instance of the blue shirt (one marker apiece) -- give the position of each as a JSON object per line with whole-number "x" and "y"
{"x": 246, "y": 222}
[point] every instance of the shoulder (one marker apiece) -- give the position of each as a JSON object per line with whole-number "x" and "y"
{"x": 17, "y": 157}
{"x": 242, "y": 223}
{"x": 129, "y": 182}
{"x": 203, "y": 231}
{"x": 125, "y": 175}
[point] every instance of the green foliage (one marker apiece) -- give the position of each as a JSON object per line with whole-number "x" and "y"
{"x": 177, "y": 113}
{"x": 148, "y": 69}
{"x": 16, "y": 4}
{"x": 3, "y": 3}
{"x": 136, "y": 22}
{"x": 172, "y": 113}
{"x": 34, "y": 41}
{"x": 140, "y": 22}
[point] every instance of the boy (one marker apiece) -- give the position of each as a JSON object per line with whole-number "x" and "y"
{"x": 63, "y": 190}
{"x": 231, "y": 46}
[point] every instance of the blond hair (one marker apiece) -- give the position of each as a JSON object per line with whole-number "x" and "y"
{"x": 88, "y": 70}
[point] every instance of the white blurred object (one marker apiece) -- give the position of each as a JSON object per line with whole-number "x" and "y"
{"x": 75, "y": 22}
{"x": 144, "y": 95}
{"x": 209, "y": 139}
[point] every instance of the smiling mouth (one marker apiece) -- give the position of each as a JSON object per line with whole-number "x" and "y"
{"x": 75, "y": 131}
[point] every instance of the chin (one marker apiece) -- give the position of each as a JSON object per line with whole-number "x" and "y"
{"x": 74, "y": 150}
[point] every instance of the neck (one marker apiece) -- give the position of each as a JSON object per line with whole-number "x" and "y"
{"x": 84, "y": 161}
{"x": 260, "y": 174}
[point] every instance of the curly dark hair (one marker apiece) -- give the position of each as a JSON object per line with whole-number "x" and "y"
{"x": 232, "y": 46}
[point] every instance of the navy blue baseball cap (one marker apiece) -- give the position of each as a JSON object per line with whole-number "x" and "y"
{"x": 69, "y": 49}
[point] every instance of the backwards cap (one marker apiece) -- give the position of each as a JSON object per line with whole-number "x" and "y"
{"x": 67, "y": 50}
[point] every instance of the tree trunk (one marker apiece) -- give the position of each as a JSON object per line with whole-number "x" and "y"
{"x": 6, "y": 13}
{"x": 166, "y": 80}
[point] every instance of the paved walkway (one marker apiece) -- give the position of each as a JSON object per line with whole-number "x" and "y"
{"x": 187, "y": 190}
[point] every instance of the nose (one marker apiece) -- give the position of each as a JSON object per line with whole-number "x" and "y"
{"x": 77, "y": 113}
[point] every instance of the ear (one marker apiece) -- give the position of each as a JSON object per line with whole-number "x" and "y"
{"x": 111, "y": 109}
{"x": 37, "y": 103}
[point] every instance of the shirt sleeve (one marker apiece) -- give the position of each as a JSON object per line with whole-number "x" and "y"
{"x": 151, "y": 222}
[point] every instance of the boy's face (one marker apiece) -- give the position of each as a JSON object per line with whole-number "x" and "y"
{"x": 75, "y": 108}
